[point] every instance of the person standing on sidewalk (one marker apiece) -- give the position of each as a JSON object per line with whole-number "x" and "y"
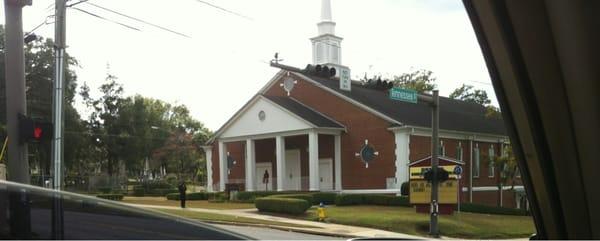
{"x": 182, "y": 188}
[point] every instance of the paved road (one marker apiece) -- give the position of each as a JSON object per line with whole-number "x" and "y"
{"x": 274, "y": 234}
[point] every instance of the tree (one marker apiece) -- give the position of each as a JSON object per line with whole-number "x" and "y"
{"x": 505, "y": 166}
{"x": 105, "y": 130}
{"x": 468, "y": 94}
{"x": 420, "y": 80}
{"x": 39, "y": 76}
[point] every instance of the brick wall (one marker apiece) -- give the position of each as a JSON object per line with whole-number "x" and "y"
{"x": 361, "y": 125}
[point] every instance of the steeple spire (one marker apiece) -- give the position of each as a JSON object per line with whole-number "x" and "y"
{"x": 326, "y": 46}
{"x": 326, "y": 11}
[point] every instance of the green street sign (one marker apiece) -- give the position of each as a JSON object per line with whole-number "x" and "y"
{"x": 405, "y": 95}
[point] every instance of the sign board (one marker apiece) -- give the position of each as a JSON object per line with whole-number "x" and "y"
{"x": 417, "y": 172}
{"x": 420, "y": 192}
{"x": 345, "y": 82}
{"x": 405, "y": 95}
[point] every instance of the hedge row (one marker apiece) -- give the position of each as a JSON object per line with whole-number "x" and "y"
{"x": 282, "y": 205}
{"x": 251, "y": 196}
{"x": 116, "y": 197}
{"x": 139, "y": 191}
{"x": 371, "y": 199}
{"x": 327, "y": 198}
{"x": 306, "y": 197}
{"x": 197, "y": 196}
{"x": 478, "y": 208}
{"x": 160, "y": 191}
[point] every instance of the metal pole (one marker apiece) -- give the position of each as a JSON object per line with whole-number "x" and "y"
{"x": 17, "y": 162}
{"x": 433, "y": 225}
{"x": 58, "y": 101}
{"x": 59, "y": 51}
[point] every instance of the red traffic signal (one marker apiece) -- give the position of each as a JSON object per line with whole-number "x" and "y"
{"x": 34, "y": 130}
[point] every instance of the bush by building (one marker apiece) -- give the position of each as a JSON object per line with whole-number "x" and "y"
{"x": 305, "y": 197}
{"x": 327, "y": 198}
{"x": 292, "y": 206}
{"x": 371, "y": 199}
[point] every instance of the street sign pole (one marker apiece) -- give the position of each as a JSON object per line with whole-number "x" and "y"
{"x": 433, "y": 226}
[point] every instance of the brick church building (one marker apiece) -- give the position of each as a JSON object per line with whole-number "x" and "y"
{"x": 303, "y": 131}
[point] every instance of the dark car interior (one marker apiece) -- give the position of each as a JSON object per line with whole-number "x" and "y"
{"x": 542, "y": 56}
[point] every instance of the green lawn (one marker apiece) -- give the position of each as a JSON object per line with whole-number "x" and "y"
{"x": 162, "y": 201}
{"x": 203, "y": 216}
{"x": 406, "y": 220}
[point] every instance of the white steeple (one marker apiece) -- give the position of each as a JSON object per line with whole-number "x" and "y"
{"x": 326, "y": 46}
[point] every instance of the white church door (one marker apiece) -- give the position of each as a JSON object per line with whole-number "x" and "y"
{"x": 325, "y": 174}
{"x": 292, "y": 170}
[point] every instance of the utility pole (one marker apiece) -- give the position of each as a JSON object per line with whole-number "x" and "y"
{"x": 17, "y": 164}
{"x": 57, "y": 114}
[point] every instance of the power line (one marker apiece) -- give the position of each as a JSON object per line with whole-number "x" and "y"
{"x": 106, "y": 19}
{"x": 45, "y": 22}
{"x": 134, "y": 18}
{"x": 73, "y": 4}
{"x": 225, "y": 10}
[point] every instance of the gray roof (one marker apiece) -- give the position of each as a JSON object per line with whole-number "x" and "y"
{"x": 454, "y": 114}
{"x": 304, "y": 112}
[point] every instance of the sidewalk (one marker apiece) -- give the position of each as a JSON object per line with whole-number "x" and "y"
{"x": 321, "y": 228}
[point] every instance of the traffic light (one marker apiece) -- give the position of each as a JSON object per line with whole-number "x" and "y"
{"x": 320, "y": 70}
{"x": 442, "y": 175}
{"x": 34, "y": 130}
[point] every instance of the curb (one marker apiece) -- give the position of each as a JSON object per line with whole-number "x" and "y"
{"x": 283, "y": 228}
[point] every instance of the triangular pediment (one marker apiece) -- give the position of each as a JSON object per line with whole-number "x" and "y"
{"x": 262, "y": 116}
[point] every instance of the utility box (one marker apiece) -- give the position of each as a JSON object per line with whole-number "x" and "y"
{"x": 420, "y": 189}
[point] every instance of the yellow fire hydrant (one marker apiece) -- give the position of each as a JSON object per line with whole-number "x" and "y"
{"x": 321, "y": 212}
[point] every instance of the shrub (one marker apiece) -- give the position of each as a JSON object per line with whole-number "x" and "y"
{"x": 324, "y": 197}
{"x": 282, "y": 205}
{"x": 188, "y": 196}
{"x": 349, "y": 199}
{"x": 157, "y": 185}
{"x": 197, "y": 196}
{"x": 116, "y": 197}
{"x": 371, "y": 199}
{"x": 405, "y": 189}
{"x": 138, "y": 191}
{"x": 173, "y": 196}
{"x": 160, "y": 191}
{"x": 478, "y": 208}
{"x": 305, "y": 197}
{"x": 250, "y": 196}
{"x": 386, "y": 200}
{"x": 105, "y": 190}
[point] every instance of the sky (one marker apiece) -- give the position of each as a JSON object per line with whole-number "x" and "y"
{"x": 224, "y": 61}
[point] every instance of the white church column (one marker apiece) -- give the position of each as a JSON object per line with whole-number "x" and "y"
{"x": 402, "y": 153}
{"x": 250, "y": 165}
{"x": 209, "y": 180}
{"x": 313, "y": 160}
{"x": 222, "y": 165}
{"x": 337, "y": 156}
{"x": 280, "y": 159}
